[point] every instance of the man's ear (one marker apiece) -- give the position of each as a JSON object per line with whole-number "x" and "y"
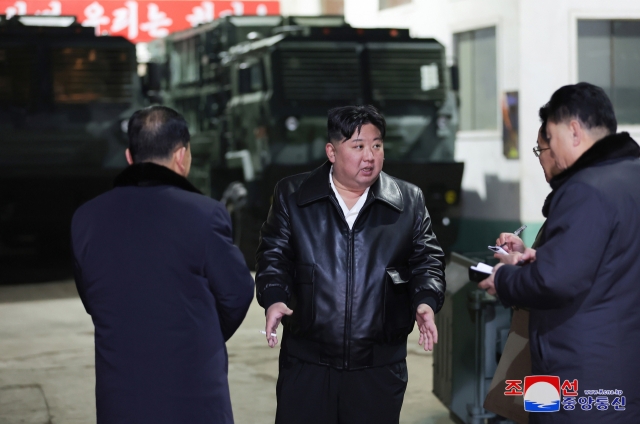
{"x": 127, "y": 154}
{"x": 330, "y": 149}
{"x": 179, "y": 159}
{"x": 577, "y": 132}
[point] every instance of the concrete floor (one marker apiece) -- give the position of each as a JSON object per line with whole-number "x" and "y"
{"x": 47, "y": 366}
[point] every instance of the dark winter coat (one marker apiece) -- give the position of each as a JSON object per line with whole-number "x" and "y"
{"x": 353, "y": 292}
{"x": 165, "y": 288}
{"x": 584, "y": 287}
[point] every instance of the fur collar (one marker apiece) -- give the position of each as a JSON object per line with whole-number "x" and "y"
{"x": 613, "y": 147}
{"x": 148, "y": 174}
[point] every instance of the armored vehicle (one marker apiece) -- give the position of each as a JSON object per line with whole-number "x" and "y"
{"x": 65, "y": 95}
{"x": 257, "y": 108}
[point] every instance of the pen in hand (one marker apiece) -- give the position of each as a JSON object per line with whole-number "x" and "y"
{"x": 272, "y": 334}
{"x": 516, "y": 233}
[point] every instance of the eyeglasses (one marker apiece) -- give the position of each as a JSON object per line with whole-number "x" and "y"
{"x": 537, "y": 150}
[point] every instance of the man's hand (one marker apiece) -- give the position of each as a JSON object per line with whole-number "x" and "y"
{"x": 511, "y": 259}
{"x": 513, "y": 242}
{"x": 274, "y": 316}
{"x": 528, "y": 256}
{"x": 517, "y": 258}
{"x": 488, "y": 284}
{"x": 427, "y": 326}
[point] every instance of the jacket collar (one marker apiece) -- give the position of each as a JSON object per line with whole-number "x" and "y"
{"x": 148, "y": 174}
{"x": 317, "y": 187}
{"x": 613, "y": 147}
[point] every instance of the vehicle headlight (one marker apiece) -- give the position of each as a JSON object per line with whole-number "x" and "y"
{"x": 291, "y": 123}
{"x": 443, "y": 122}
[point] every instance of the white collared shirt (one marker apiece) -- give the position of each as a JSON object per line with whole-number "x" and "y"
{"x": 349, "y": 214}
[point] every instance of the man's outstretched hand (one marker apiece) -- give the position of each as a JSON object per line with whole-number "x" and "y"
{"x": 274, "y": 316}
{"x": 425, "y": 318}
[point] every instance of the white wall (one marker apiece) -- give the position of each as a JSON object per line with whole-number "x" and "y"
{"x": 482, "y": 150}
{"x": 300, "y": 7}
{"x": 548, "y": 61}
{"x": 424, "y": 18}
{"x": 536, "y": 49}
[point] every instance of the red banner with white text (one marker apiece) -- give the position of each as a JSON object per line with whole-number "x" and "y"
{"x": 139, "y": 20}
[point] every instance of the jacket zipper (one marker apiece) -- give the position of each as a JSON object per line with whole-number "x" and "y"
{"x": 349, "y": 298}
{"x": 347, "y": 320}
{"x": 350, "y": 284}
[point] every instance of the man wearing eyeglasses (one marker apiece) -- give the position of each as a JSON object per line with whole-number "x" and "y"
{"x": 510, "y": 241}
{"x": 582, "y": 284}
{"x": 515, "y": 362}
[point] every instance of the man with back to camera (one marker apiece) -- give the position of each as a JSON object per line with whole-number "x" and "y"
{"x": 348, "y": 258}
{"x": 165, "y": 287}
{"x": 582, "y": 283}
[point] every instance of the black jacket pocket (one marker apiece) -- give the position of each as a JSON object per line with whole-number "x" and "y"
{"x": 302, "y": 301}
{"x": 398, "y": 319}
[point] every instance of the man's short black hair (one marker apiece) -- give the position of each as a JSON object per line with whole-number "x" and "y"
{"x": 346, "y": 120}
{"x": 155, "y": 132}
{"x": 542, "y": 131}
{"x": 583, "y": 101}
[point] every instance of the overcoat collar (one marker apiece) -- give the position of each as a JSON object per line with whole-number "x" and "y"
{"x": 317, "y": 187}
{"x": 612, "y": 147}
{"x": 148, "y": 174}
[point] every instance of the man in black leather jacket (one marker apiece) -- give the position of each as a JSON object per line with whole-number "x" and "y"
{"x": 347, "y": 260}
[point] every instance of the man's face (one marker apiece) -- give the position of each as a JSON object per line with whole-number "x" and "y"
{"x": 546, "y": 161}
{"x": 561, "y": 141}
{"x": 357, "y": 162}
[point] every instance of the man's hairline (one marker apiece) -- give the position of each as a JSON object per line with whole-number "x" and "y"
{"x": 156, "y": 159}
{"x": 568, "y": 119}
{"x": 333, "y": 141}
{"x": 359, "y": 130}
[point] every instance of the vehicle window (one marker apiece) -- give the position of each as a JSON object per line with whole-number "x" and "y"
{"x": 84, "y": 74}
{"x": 16, "y": 75}
{"x": 609, "y": 56}
{"x": 250, "y": 78}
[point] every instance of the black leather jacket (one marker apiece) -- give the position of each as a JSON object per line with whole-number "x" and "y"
{"x": 353, "y": 292}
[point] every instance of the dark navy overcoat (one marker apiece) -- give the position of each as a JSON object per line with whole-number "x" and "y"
{"x": 584, "y": 287}
{"x": 165, "y": 287}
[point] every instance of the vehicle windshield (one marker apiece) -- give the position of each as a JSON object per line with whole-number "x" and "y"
{"x": 304, "y": 140}
{"x": 32, "y": 76}
{"x": 402, "y": 80}
{"x": 410, "y": 138}
{"x": 384, "y": 73}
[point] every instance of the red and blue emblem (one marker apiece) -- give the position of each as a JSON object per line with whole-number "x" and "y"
{"x": 542, "y": 393}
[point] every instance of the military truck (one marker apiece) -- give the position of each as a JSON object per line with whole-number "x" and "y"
{"x": 65, "y": 95}
{"x": 256, "y": 91}
{"x": 186, "y": 72}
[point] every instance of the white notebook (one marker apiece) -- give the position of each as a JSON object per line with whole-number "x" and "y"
{"x": 482, "y": 267}
{"x": 498, "y": 249}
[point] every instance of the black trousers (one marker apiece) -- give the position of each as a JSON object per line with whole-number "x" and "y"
{"x": 315, "y": 394}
